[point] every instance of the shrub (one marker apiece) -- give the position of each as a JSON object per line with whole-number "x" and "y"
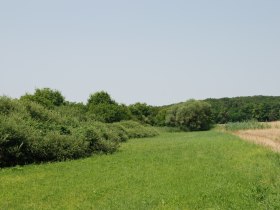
{"x": 190, "y": 116}
{"x": 143, "y": 113}
{"x": 32, "y": 130}
{"x": 100, "y": 98}
{"x": 109, "y": 113}
{"x": 47, "y": 120}
{"x": 7, "y": 105}
{"x": 98, "y": 137}
{"x": 46, "y": 97}
{"x": 160, "y": 118}
{"x": 15, "y": 139}
{"x": 120, "y": 133}
{"x": 137, "y": 130}
{"x": 56, "y": 147}
{"x": 74, "y": 111}
{"x": 103, "y": 108}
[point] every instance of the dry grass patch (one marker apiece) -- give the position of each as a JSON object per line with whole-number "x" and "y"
{"x": 269, "y": 137}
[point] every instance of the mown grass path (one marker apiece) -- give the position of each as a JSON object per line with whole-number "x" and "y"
{"x": 199, "y": 170}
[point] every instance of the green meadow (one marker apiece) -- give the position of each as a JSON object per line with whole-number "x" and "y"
{"x": 179, "y": 170}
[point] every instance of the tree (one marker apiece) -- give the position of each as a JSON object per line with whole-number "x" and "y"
{"x": 47, "y": 97}
{"x": 143, "y": 112}
{"x": 190, "y": 116}
{"x": 101, "y": 97}
{"x": 103, "y": 108}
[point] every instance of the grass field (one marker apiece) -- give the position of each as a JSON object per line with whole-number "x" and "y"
{"x": 198, "y": 170}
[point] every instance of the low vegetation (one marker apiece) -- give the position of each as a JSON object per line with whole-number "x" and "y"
{"x": 44, "y": 127}
{"x": 181, "y": 170}
{"x": 173, "y": 170}
{"x": 253, "y": 124}
{"x": 33, "y": 130}
{"x": 265, "y": 134}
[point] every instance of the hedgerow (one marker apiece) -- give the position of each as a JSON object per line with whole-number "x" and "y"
{"x": 30, "y": 132}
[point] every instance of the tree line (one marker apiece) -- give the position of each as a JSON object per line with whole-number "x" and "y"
{"x": 44, "y": 126}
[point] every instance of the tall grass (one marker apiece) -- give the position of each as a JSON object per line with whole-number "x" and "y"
{"x": 246, "y": 125}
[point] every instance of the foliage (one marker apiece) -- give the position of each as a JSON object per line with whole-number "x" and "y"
{"x": 73, "y": 110}
{"x": 260, "y": 108}
{"x": 143, "y": 113}
{"x": 190, "y": 116}
{"x": 100, "y": 98}
{"x": 137, "y": 130}
{"x": 160, "y": 117}
{"x": 46, "y": 97}
{"x": 15, "y": 138}
{"x": 238, "y": 109}
{"x": 30, "y": 132}
{"x": 109, "y": 113}
{"x": 101, "y": 107}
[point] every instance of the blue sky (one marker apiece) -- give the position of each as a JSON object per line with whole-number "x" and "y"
{"x": 158, "y": 52}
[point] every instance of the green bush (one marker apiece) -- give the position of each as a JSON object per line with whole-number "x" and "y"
{"x": 98, "y": 137}
{"x": 33, "y": 131}
{"x": 121, "y": 134}
{"x": 143, "y": 113}
{"x": 73, "y": 111}
{"x": 101, "y": 107}
{"x": 137, "y": 130}
{"x": 56, "y": 147}
{"x": 190, "y": 116}
{"x": 15, "y": 139}
{"x": 7, "y": 105}
{"x": 101, "y": 97}
{"x": 160, "y": 117}
{"x": 109, "y": 113}
{"x": 46, "y": 97}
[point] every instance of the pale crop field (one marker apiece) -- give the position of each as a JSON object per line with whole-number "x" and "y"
{"x": 269, "y": 137}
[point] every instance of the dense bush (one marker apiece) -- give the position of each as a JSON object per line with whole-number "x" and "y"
{"x": 46, "y": 97}
{"x": 137, "y": 130}
{"x": 15, "y": 139}
{"x": 109, "y": 113}
{"x": 73, "y": 110}
{"x": 103, "y": 108}
{"x": 30, "y": 132}
{"x": 160, "y": 117}
{"x": 190, "y": 116}
{"x": 101, "y": 97}
{"x": 55, "y": 146}
{"x": 144, "y": 113}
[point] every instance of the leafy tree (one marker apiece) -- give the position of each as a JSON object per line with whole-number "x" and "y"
{"x": 161, "y": 116}
{"x": 109, "y": 113}
{"x": 47, "y": 97}
{"x": 101, "y": 97}
{"x": 143, "y": 112}
{"x": 103, "y": 108}
{"x": 190, "y": 116}
{"x": 261, "y": 108}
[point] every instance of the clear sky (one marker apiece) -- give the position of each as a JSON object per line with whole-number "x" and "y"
{"x": 153, "y": 51}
